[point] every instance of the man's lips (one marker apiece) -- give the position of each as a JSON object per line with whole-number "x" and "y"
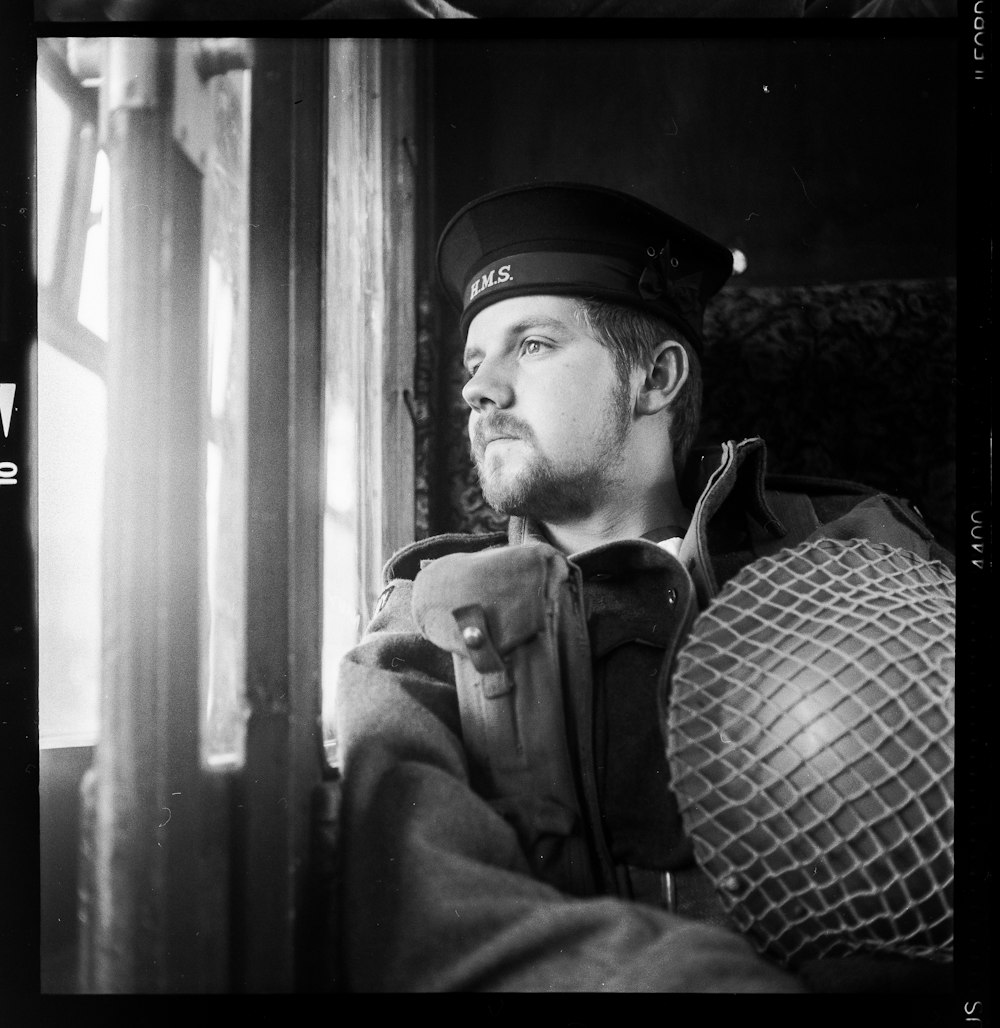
{"x": 482, "y": 444}
{"x": 497, "y": 429}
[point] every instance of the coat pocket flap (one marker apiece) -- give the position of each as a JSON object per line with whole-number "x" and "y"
{"x": 509, "y": 588}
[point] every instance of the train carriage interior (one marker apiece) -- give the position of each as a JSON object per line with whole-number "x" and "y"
{"x": 249, "y": 396}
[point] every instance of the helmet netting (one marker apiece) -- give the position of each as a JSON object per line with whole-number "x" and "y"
{"x": 810, "y": 739}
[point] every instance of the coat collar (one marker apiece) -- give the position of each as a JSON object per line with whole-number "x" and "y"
{"x": 730, "y": 474}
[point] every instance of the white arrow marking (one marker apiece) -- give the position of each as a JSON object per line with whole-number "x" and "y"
{"x": 6, "y": 404}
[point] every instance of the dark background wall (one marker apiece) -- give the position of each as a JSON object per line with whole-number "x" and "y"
{"x": 824, "y": 160}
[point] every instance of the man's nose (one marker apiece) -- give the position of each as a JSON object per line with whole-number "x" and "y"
{"x": 489, "y": 387}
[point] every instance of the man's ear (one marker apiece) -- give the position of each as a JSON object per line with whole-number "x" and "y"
{"x": 665, "y": 376}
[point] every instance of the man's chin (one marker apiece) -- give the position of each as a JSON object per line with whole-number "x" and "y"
{"x": 548, "y": 502}
{"x": 504, "y": 493}
{"x": 507, "y": 508}
{"x": 503, "y": 500}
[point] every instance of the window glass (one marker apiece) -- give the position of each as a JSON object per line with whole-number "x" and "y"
{"x": 350, "y": 283}
{"x": 71, "y": 428}
{"x": 71, "y": 440}
{"x": 341, "y": 590}
{"x": 54, "y": 129}
{"x": 92, "y": 310}
{"x": 369, "y": 333}
{"x": 226, "y": 214}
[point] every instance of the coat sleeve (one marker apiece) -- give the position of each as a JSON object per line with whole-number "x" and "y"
{"x": 437, "y": 895}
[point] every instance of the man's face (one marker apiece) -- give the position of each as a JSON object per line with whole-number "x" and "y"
{"x": 549, "y": 413}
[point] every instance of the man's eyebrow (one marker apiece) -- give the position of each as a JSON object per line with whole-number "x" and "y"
{"x": 469, "y": 353}
{"x": 519, "y": 328}
{"x": 536, "y": 322}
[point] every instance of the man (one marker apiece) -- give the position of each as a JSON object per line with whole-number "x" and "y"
{"x": 508, "y": 822}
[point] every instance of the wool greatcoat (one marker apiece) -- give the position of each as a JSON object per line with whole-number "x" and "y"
{"x": 437, "y": 891}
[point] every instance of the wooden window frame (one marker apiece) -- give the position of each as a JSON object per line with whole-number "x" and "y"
{"x": 216, "y": 895}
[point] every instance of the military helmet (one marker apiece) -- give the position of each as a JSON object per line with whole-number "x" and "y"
{"x": 810, "y": 737}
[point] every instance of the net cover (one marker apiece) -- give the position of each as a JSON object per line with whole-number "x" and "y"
{"x": 810, "y": 736}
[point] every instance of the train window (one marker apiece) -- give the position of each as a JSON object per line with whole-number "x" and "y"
{"x": 71, "y": 428}
{"x": 227, "y": 325}
{"x": 92, "y": 309}
{"x": 71, "y": 441}
{"x": 72, "y": 235}
{"x": 366, "y": 478}
{"x": 369, "y": 289}
{"x": 55, "y": 126}
{"x": 72, "y": 437}
{"x": 225, "y": 217}
{"x": 341, "y": 593}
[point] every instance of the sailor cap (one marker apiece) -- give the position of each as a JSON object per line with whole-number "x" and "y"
{"x": 573, "y": 239}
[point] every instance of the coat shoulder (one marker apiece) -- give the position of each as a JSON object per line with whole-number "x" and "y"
{"x": 406, "y": 563}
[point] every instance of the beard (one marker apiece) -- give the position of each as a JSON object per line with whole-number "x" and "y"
{"x": 541, "y": 487}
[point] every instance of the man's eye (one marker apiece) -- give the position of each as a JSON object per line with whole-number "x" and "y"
{"x": 532, "y": 346}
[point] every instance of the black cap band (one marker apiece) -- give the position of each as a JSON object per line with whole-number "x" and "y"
{"x": 586, "y": 272}
{"x": 585, "y": 275}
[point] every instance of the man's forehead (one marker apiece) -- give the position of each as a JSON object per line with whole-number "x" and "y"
{"x": 520, "y": 314}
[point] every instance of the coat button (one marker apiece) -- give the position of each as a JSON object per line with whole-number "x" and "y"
{"x": 473, "y": 637}
{"x": 671, "y": 597}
